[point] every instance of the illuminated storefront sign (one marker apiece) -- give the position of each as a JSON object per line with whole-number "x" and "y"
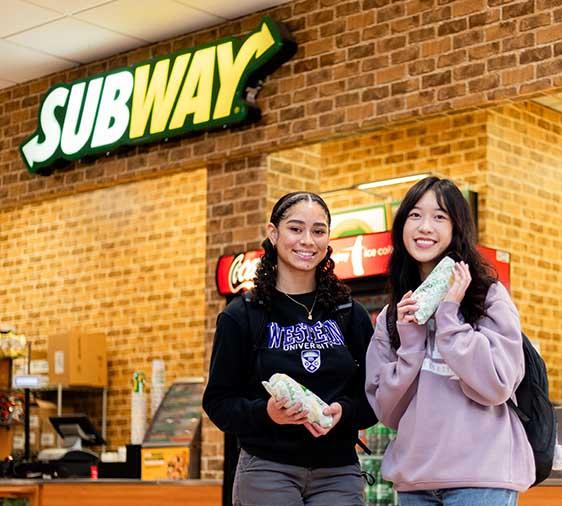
{"x": 192, "y": 90}
{"x": 355, "y": 257}
{"x": 359, "y": 221}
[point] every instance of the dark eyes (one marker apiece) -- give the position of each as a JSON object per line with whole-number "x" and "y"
{"x": 439, "y": 217}
{"x": 318, "y": 231}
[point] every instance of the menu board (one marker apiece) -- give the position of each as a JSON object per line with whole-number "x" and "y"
{"x": 177, "y": 420}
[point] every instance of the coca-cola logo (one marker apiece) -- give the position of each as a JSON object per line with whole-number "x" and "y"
{"x": 242, "y": 272}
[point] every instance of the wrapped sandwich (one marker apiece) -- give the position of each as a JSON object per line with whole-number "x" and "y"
{"x": 433, "y": 289}
{"x": 282, "y": 386}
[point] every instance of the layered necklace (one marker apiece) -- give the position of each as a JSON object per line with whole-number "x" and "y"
{"x": 308, "y": 311}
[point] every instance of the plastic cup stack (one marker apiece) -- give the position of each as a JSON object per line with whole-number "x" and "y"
{"x": 138, "y": 409}
{"x": 158, "y": 385}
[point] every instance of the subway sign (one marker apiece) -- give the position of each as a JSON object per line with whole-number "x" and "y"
{"x": 203, "y": 88}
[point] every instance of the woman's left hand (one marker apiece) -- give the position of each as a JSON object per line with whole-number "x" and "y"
{"x": 333, "y": 409}
{"x": 462, "y": 279}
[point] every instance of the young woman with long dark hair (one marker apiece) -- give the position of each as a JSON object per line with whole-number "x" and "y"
{"x": 443, "y": 385}
{"x": 314, "y": 333}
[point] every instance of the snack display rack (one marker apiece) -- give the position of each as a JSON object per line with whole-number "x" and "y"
{"x": 171, "y": 449}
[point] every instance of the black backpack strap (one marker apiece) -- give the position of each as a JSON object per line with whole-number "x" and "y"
{"x": 256, "y": 320}
{"x": 343, "y": 318}
{"x": 522, "y": 416}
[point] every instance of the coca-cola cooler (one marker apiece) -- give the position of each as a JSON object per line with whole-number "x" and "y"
{"x": 361, "y": 261}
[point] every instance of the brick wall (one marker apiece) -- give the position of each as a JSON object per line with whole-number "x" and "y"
{"x": 360, "y": 65}
{"x": 511, "y": 156}
{"x": 293, "y": 170}
{"x": 522, "y": 214}
{"x": 128, "y": 261}
{"x": 237, "y": 206}
{"x": 451, "y": 146}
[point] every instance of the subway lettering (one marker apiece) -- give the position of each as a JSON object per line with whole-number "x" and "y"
{"x": 192, "y": 90}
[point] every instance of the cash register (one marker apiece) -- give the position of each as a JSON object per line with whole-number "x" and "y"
{"x": 72, "y": 459}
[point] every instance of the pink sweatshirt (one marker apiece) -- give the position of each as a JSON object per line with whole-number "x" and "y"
{"x": 444, "y": 390}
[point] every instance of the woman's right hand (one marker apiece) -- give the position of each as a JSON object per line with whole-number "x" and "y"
{"x": 281, "y": 415}
{"x": 406, "y": 309}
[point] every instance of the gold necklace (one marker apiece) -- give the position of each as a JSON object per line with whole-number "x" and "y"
{"x": 309, "y": 311}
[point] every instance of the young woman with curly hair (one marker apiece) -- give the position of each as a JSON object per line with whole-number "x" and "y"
{"x": 284, "y": 459}
{"x": 444, "y": 384}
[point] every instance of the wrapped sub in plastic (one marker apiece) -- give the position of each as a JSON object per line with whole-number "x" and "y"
{"x": 282, "y": 386}
{"x": 433, "y": 289}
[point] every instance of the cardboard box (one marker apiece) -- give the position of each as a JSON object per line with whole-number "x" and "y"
{"x": 47, "y": 433}
{"x": 18, "y": 440}
{"x": 77, "y": 358}
{"x": 41, "y": 432}
{"x": 165, "y": 463}
{"x": 39, "y": 366}
{"x": 6, "y": 436}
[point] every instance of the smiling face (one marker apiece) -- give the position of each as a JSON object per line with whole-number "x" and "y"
{"x": 427, "y": 232}
{"x": 301, "y": 239}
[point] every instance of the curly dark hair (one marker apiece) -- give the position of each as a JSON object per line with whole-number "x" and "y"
{"x": 330, "y": 290}
{"x": 403, "y": 269}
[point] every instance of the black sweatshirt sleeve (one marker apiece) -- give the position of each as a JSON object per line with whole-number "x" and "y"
{"x": 356, "y": 410}
{"x": 227, "y": 399}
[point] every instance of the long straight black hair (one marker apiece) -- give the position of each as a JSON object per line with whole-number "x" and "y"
{"x": 404, "y": 270}
{"x": 330, "y": 290}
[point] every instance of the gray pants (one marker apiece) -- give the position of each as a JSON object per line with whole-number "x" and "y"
{"x": 260, "y": 482}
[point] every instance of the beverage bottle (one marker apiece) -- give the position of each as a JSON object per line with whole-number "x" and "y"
{"x": 376, "y": 449}
{"x": 367, "y": 467}
{"x": 388, "y": 494}
{"x": 385, "y": 433}
{"x": 379, "y": 489}
{"x": 370, "y": 434}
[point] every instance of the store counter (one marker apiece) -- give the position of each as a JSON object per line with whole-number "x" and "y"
{"x": 105, "y": 492}
{"x": 548, "y": 493}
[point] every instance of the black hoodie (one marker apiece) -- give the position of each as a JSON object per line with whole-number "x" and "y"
{"x": 316, "y": 353}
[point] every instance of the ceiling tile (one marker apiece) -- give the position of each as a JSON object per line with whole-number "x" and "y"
{"x": 20, "y": 64}
{"x": 5, "y": 84}
{"x": 232, "y": 9}
{"x": 18, "y": 16}
{"x": 149, "y": 20}
{"x": 69, "y": 6}
{"x": 81, "y": 41}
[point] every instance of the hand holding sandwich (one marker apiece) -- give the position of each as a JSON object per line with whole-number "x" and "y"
{"x": 461, "y": 281}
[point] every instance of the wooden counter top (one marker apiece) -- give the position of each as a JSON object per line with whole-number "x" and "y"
{"x": 114, "y": 492}
{"x": 543, "y": 495}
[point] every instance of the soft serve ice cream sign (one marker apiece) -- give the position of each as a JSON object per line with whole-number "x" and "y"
{"x": 196, "y": 89}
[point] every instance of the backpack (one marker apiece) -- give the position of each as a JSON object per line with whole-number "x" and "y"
{"x": 535, "y": 411}
{"x": 257, "y": 321}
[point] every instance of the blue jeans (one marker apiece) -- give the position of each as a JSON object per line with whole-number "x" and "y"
{"x": 459, "y": 497}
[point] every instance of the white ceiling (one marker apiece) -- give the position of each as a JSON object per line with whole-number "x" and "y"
{"x": 39, "y": 37}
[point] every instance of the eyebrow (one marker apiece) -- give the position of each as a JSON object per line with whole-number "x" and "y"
{"x": 435, "y": 209}
{"x": 300, "y": 222}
